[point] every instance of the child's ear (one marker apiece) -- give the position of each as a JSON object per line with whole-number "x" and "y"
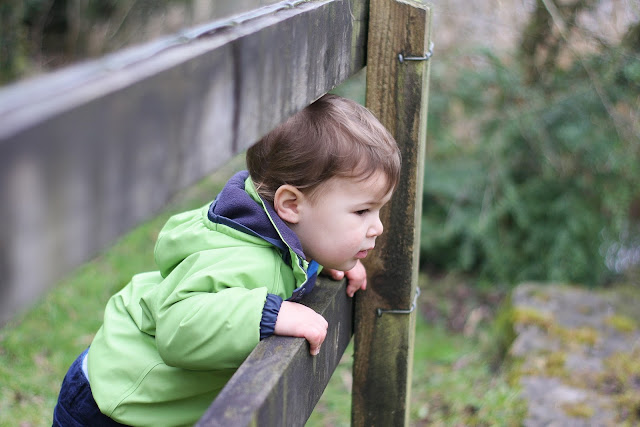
{"x": 287, "y": 203}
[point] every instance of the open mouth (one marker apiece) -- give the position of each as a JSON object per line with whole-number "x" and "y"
{"x": 363, "y": 253}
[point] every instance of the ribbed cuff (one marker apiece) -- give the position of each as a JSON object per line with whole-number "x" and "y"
{"x": 269, "y": 315}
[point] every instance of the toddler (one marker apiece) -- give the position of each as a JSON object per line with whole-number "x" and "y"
{"x": 232, "y": 272}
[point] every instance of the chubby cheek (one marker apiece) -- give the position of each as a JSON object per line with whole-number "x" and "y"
{"x": 337, "y": 254}
{"x": 350, "y": 245}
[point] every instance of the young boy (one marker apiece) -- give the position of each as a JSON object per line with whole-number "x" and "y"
{"x": 231, "y": 273}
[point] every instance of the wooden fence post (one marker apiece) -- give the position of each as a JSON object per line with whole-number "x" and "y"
{"x": 397, "y": 93}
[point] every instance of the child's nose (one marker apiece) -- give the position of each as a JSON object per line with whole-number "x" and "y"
{"x": 376, "y": 228}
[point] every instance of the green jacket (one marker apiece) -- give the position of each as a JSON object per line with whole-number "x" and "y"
{"x": 171, "y": 339}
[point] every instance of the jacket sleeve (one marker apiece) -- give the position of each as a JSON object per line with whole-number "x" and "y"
{"x": 215, "y": 344}
{"x": 209, "y": 331}
{"x": 211, "y": 315}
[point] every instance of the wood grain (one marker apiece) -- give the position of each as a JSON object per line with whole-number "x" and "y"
{"x": 397, "y": 94}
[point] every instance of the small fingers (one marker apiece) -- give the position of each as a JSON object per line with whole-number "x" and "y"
{"x": 315, "y": 338}
{"x": 357, "y": 279}
{"x": 356, "y": 285}
{"x": 351, "y": 290}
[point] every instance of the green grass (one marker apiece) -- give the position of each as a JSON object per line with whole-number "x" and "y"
{"x": 452, "y": 385}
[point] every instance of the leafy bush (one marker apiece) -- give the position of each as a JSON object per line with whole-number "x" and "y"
{"x": 543, "y": 187}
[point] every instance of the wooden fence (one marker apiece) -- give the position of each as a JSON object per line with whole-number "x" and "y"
{"x": 88, "y": 152}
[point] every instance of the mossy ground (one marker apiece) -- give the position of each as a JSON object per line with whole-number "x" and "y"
{"x": 602, "y": 340}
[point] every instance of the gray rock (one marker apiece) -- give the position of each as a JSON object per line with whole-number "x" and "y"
{"x": 561, "y": 363}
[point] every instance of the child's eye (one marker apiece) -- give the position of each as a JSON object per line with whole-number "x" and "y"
{"x": 362, "y": 212}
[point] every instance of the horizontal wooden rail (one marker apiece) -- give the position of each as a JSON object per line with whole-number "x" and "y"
{"x": 88, "y": 152}
{"x": 280, "y": 382}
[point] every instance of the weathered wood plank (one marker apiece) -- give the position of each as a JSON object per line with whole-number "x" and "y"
{"x": 87, "y": 153}
{"x": 280, "y": 383}
{"x": 397, "y": 94}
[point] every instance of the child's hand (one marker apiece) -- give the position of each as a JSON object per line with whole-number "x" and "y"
{"x": 297, "y": 320}
{"x": 356, "y": 277}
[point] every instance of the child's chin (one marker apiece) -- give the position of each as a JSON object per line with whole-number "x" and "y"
{"x": 346, "y": 266}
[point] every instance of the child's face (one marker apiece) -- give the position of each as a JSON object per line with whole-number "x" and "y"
{"x": 340, "y": 225}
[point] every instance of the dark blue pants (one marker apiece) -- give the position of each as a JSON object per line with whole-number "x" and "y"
{"x": 76, "y": 406}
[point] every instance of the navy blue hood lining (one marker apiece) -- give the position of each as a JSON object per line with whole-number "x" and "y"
{"x": 235, "y": 208}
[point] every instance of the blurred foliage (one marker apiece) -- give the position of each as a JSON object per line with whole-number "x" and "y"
{"x": 37, "y": 35}
{"x": 11, "y": 39}
{"x": 42, "y": 35}
{"x": 546, "y": 188}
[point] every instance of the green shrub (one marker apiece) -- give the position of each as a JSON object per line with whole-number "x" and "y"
{"x": 539, "y": 186}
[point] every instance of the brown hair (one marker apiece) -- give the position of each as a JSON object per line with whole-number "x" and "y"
{"x": 333, "y": 137}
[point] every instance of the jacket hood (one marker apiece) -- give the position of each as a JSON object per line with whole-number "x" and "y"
{"x": 237, "y": 206}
